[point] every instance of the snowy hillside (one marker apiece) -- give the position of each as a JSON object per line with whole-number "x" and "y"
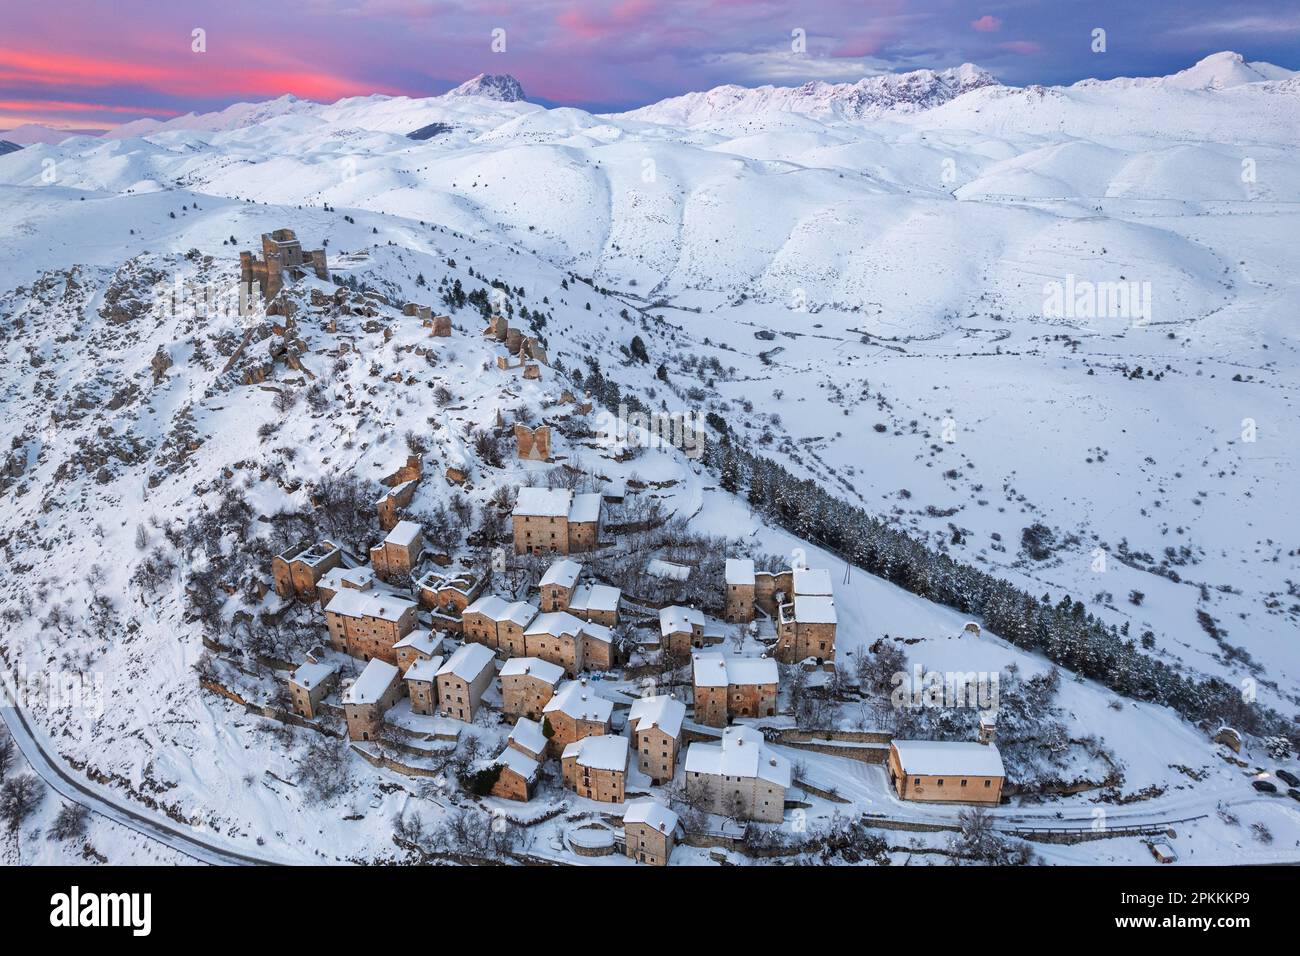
{"x": 853, "y": 280}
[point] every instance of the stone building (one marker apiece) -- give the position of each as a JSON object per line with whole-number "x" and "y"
{"x": 396, "y": 556}
{"x": 946, "y": 771}
{"x": 517, "y": 776}
{"x": 297, "y": 570}
{"x": 558, "y": 584}
{"x": 596, "y": 767}
{"x": 597, "y": 603}
{"x": 599, "y": 650}
{"x": 650, "y": 831}
{"x": 367, "y": 625}
{"x": 805, "y": 625}
{"x": 741, "y": 777}
{"x": 369, "y": 697}
{"x": 740, "y": 590}
{"x": 498, "y": 624}
{"x": 680, "y": 629}
{"x": 462, "y": 679}
{"x": 420, "y": 645}
{"x": 449, "y": 595}
{"x": 576, "y": 711}
{"x": 282, "y": 256}
{"x": 556, "y": 636}
{"x": 528, "y": 737}
{"x": 731, "y": 687}
{"x": 555, "y": 521}
{"x": 655, "y": 724}
{"x": 422, "y": 685}
{"x": 390, "y": 506}
{"x": 533, "y": 444}
{"x": 336, "y": 579}
{"x": 527, "y": 685}
{"x": 309, "y": 684}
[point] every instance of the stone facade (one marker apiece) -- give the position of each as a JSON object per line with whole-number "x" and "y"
{"x": 946, "y": 771}
{"x": 741, "y": 777}
{"x": 463, "y": 679}
{"x": 650, "y": 829}
{"x": 297, "y": 570}
{"x": 740, "y": 584}
{"x": 728, "y": 688}
{"x": 394, "y": 558}
{"x": 366, "y": 626}
{"x": 282, "y": 255}
{"x": 369, "y": 697}
{"x": 527, "y": 686}
{"x": 533, "y": 444}
{"x": 596, "y": 768}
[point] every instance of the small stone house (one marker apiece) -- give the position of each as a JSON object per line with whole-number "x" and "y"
{"x": 599, "y": 649}
{"x": 462, "y": 680}
{"x": 596, "y": 767}
{"x": 422, "y": 685}
{"x": 680, "y": 629}
{"x": 527, "y": 685}
{"x": 650, "y": 831}
{"x": 597, "y": 603}
{"x": 369, "y": 697}
{"x": 555, "y": 521}
{"x": 655, "y": 724}
{"x": 517, "y": 775}
{"x": 448, "y": 594}
{"x": 397, "y": 555}
{"x": 529, "y": 738}
{"x": 741, "y": 777}
{"x": 499, "y": 624}
{"x": 558, "y": 584}
{"x": 311, "y": 683}
{"x": 731, "y": 687}
{"x": 297, "y": 570}
{"x": 576, "y": 711}
{"x": 946, "y": 771}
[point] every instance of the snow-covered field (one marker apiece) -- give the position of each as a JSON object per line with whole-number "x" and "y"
{"x": 855, "y": 282}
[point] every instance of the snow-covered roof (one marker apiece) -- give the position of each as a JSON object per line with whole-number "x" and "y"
{"x": 675, "y": 618}
{"x": 652, "y": 813}
{"x": 337, "y": 577}
{"x": 353, "y": 603}
{"x": 372, "y": 684}
{"x": 489, "y": 605}
{"x": 814, "y": 581}
{"x": 578, "y": 700}
{"x": 666, "y": 569}
{"x": 662, "y": 711}
{"x": 520, "y": 612}
{"x": 601, "y": 752}
{"x": 742, "y": 753}
{"x": 615, "y": 488}
{"x": 468, "y": 662}
{"x": 403, "y": 534}
{"x": 520, "y": 763}
{"x": 563, "y": 572}
{"x": 543, "y": 502}
{"x": 949, "y": 758}
{"x": 422, "y": 640}
{"x": 533, "y": 667}
{"x": 425, "y": 670}
{"x": 598, "y": 632}
{"x": 586, "y": 507}
{"x": 528, "y": 734}
{"x": 712, "y": 669}
{"x": 810, "y": 609}
{"x": 740, "y": 571}
{"x": 595, "y": 597}
{"x": 311, "y": 673}
{"x": 554, "y": 623}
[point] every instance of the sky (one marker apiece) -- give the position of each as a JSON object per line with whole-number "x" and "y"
{"x": 90, "y": 64}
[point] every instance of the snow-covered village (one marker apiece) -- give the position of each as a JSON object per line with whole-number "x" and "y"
{"x": 887, "y": 473}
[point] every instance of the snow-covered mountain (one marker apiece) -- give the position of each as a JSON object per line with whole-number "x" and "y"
{"x": 8, "y": 147}
{"x": 503, "y": 87}
{"x": 870, "y": 96}
{"x": 29, "y": 133}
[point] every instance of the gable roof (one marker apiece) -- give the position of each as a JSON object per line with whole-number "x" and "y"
{"x": 353, "y": 603}
{"x": 488, "y": 605}
{"x": 528, "y": 734}
{"x": 543, "y": 502}
{"x": 554, "y": 623}
{"x": 585, "y": 508}
{"x": 652, "y": 813}
{"x": 601, "y": 752}
{"x": 403, "y": 534}
{"x": 713, "y": 669}
{"x": 575, "y": 699}
{"x": 311, "y": 673}
{"x": 520, "y": 763}
{"x": 595, "y": 597}
{"x": 740, "y": 571}
{"x": 674, "y": 619}
{"x": 563, "y": 572}
{"x": 468, "y": 662}
{"x": 533, "y": 667}
{"x": 662, "y": 711}
{"x": 938, "y": 758}
{"x": 422, "y": 640}
{"x": 424, "y": 670}
{"x": 742, "y": 753}
{"x": 372, "y": 684}
{"x": 813, "y": 581}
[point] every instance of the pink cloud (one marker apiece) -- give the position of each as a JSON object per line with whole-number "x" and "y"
{"x": 987, "y": 24}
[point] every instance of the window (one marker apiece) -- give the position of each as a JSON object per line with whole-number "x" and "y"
{"x": 987, "y": 784}
{"x": 963, "y": 783}
{"x": 939, "y": 782}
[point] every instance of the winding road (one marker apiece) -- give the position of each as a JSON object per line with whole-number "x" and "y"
{"x": 49, "y": 767}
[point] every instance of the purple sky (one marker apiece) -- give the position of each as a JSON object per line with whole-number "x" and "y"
{"x": 98, "y": 64}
